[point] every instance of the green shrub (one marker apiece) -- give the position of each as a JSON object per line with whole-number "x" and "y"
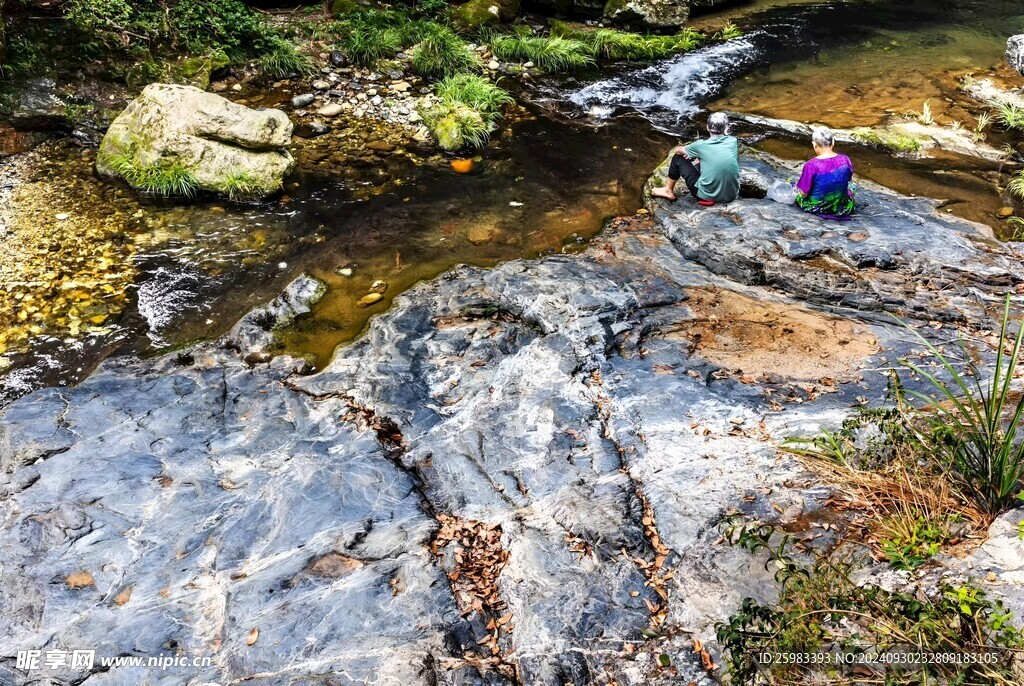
{"x": 469, "y": 107}
{"x": 728, "y": 32}
{"x": 243, "y": 186}
{"x": 978, "y": 432}
{"x": 474, "y": 91}
{"x": 282, "y": 59}
{"x": 822, "y": 608}
{"x": 441, "y": 52}
{"x": 456, "y": 126}
{"x": 1016, "y": 185}
{"x": 552, "y": 53}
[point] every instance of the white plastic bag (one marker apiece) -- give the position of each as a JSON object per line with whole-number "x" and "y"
{"x": 782, "y": 191}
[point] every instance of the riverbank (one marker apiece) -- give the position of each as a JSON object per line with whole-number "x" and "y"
{"x": 518, "y": 472}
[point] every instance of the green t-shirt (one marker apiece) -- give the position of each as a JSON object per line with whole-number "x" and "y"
{"x": 719, "y": 168}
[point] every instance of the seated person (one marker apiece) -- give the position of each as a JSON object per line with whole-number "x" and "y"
{"x": 710, "y": 168}
{"x": 824, "y": 186}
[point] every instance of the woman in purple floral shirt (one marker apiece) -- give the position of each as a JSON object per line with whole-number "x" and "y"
{"x": 825, "y": 186}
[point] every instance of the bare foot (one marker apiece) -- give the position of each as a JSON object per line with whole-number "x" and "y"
{"x": 663, "y": 193}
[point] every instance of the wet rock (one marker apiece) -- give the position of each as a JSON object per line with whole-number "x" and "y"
{"x": 303, "y": 100}
{"x": 338, "y": 58}
{"x": 1015, "y": 53}
{"x": 400, "y": 87}
{"x": 1004, "y": 212}
{"x": 877, "y": 261}
{"x": 369, "y": 299}
{"x": 331, "y": 110}
{"x": 563, "y": 406}
{"x": 311, "y": 129}
{"x": 321, "y": 85}
{"x": 210, "y": 137}
{"x": 649, "y": 13}
{"x": 255, "y": 332}
{"x": 39, "y": 106}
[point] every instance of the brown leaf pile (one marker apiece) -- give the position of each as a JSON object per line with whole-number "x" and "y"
{"x": 479, "y": 559}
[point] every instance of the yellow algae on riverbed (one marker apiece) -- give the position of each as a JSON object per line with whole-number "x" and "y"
{"x": 65, "y": 259}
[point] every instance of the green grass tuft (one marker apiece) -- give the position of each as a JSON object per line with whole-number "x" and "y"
{"x": 243, "y": 186}
{"x": 469, "y": 107}
{"x": 475, "y": 91}
{"x": 728, "y": 32}
{"x": 441, "y": 52}
{"x": 167, "y": 178}
{"x": 282, "y": 59}
{"x": 1011, "y": 116}
{"x": 551, "y": 54}
{"x": 611, "y": 44}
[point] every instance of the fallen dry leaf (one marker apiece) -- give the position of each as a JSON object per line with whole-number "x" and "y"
{"x": 252, "y": 637}
{"x": 123, "y": 597}
{"x": 79, "y": 580}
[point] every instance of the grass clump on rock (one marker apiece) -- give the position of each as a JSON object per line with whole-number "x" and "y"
{"x": 167, "y": 178}
{"x": 896, "y": 142}
{"x": 467, "y": 111}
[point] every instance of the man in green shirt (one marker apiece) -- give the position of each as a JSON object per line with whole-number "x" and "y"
{"x": 710, "y": 168}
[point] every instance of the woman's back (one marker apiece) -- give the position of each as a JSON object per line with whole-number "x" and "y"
{"x": 825, "y": 186}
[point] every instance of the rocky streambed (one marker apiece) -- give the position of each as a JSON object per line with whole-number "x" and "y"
{"x": 516, "y": 475}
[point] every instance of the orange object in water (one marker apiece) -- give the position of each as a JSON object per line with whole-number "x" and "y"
{"x": 463, "y": 166}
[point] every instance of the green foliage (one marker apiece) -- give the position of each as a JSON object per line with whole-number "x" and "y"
{"x": 168, "y": 177}
{"x": 611, "y": 44}
{"x": 977, "y": 430}
{"x": 456, "y": 126}
{"x": 243, "y": 186}
{"x": 469, "y": 107}
{"x": 896, "y": 142}
{"x": 442, "y": 53}
{"x": 1011, "y": 116}
{"x": 910, "y": 541}
{"x": 283, "y": 59}
{"x": 145, "y": 30}
{"x": 728, "y": 32}
{"x": 551, "y": 54}
{"x": 821, "y": 608}
{"x": 1016, "y": 185}
{"x": 475, "y": 91}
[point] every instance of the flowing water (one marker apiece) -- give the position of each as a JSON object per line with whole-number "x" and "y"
{"x": 547, "y": 184}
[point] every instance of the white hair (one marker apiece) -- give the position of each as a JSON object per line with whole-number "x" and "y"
{"x": 823, "y": 137}
{"x": 718, "y": 123}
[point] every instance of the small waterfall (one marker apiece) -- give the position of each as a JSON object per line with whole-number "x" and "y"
{"x": 671, "y": 91}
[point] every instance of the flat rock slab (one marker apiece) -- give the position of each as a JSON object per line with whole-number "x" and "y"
{"x": 594, "y": 412}
{"x": 897, "y": 254}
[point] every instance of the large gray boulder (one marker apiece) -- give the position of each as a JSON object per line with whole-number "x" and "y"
{"x": 648, "y": 13}
{"x": 224, "y": 147}
{"x": 1015, "y": 52}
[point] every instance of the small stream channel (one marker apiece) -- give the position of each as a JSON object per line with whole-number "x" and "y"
{"x": 546, "y": 184}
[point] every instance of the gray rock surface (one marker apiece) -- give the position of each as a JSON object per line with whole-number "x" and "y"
{"x": 896, "y": 255}
{"x": 1015, "y": 52}
{"x": 217, "y": 141}
{"x": 601, "y": 413}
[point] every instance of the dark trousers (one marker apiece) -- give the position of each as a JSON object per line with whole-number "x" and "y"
{"x": 687, "y": 170}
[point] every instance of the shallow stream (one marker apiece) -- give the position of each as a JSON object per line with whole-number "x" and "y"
{"x": 546, "y": 184}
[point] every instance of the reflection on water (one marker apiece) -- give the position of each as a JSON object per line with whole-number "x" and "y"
{"x": 191, "y": 270}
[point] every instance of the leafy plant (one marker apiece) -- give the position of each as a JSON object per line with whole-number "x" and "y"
{"x": 611, "y": 44}
{"x": 984, "y": 119}
{"x": 474, "y": 91}
{"x": 1010, "y": 115}
{"x": 911, "y": 538}
{"x": 728, "y": 32}
{"x": 980, "y": 439}
{"x": 168, "y": 177}
{"x": 548, "y": 53}
{"x": 821, "y": 608}
{"x": 469, "y": 107}
{"x": 1016, "y": 185}
{"x": 282, "y": 59}
{"x": 925, "y": 116}
{"x": 243, "y": 186}
{"x": 441, "y": 52}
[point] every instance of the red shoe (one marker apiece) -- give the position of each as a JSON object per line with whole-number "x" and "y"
{"x": 706, "y": 203}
